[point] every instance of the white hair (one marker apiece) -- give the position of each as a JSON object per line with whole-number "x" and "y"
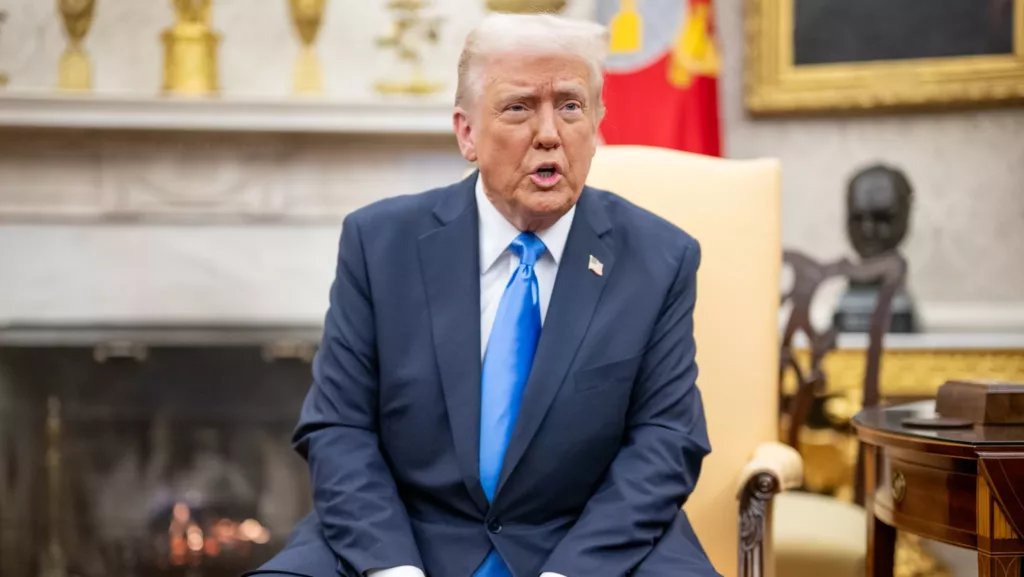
{"x": 545, "y": 34}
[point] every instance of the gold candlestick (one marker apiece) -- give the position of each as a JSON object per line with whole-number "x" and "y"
{"x": 75, "y": 70}
{"x": 410, "y": 32}
{"x": 308, "y": 16}
{"x": 190, "y": 51}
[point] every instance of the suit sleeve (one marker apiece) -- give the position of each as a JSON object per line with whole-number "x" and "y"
{"x": 354, "y": 494}
{"x": 663, "y": 448}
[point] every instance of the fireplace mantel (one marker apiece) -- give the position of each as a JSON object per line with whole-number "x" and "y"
{"x": 138, "y": 210}
{"x": 110, "y": 159}
{"x": 400, "y": 116}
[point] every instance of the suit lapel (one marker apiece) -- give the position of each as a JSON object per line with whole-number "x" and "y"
{"x": 575, "y": 296}
{"x": 449, "y": 257}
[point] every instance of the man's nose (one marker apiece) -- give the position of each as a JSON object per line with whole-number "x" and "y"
{"x": 547, "y": 129}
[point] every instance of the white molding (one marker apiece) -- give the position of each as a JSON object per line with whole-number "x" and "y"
{"x": 962, "y": 340}
{"x": 1007, "y": 317}
{"x": 400, "y": 116}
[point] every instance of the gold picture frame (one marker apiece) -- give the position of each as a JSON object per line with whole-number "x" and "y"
{"x": 775, "y": 84}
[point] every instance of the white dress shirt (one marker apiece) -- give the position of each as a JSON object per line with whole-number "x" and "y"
{"x": 497, "y": 264}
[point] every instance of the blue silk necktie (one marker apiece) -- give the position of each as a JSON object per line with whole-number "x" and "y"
{"x": 506, "y": 367}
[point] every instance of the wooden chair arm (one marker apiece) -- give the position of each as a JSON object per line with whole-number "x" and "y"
{"x": 774, "y": 468}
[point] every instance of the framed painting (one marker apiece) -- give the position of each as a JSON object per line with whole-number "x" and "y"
{"x": 805, "y": 56}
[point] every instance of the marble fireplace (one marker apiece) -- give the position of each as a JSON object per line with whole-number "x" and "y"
{"x": 165, "y": 269}
{"x": 142, "y": 451}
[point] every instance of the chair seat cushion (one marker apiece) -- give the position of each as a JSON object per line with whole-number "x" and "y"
{"x": 814, "y": 535}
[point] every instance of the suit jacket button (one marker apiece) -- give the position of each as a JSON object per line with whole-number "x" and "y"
{"x": 494, "y": 526}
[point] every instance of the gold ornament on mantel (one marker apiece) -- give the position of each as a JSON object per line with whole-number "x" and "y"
{"x": 75, "y": 70}
{"x": 410, "y": 33}
{"x": 526, "y": 6}
{"x": 190, "y": 51}
{"x": 3, "y": 77}
{"x": 308, "y": 16}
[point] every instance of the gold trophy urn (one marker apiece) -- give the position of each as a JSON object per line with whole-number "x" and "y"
{"x": 75, "y": 70}
{"x": 410, "y": 35}
{"x": 190, "y": 51}
{"x": 308, "y": 16}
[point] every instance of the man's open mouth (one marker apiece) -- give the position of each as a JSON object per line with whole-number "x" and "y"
{"x": 547, "y": 176}
{"x": 546, "y": 171}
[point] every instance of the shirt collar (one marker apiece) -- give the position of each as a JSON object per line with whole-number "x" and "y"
{"x": 496, "y": 232}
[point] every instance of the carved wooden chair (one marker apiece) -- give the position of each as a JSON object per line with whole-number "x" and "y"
{"x": 890, "y": 272}
{"x": 733, "y": 208}
{"x": 817, "y": 535}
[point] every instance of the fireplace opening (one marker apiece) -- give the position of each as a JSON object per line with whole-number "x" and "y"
{"x": 138, "y": 452}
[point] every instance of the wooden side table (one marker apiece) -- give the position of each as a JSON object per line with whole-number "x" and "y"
{"x": 964, "y": 487}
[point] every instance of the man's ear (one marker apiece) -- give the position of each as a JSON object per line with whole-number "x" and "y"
{"x": 464, "y": 134}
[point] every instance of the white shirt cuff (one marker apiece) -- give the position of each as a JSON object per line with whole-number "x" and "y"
{"x": 549, "y": 574}
{"x": 403, "y": 571}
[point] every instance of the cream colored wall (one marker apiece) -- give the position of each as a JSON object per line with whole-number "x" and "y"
{"x": 967, "y": 168}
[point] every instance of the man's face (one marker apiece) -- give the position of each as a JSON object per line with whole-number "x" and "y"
{"x": 532, "y": 130}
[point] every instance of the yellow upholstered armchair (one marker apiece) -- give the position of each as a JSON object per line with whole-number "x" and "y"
{"x": 732, "y": 207}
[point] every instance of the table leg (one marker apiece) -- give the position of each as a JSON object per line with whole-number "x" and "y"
{"x": 997, "y": 530}
{"x": 881, "y": 549}
{"x": 1003, "y": 566}
{"x": 881, "y": 553}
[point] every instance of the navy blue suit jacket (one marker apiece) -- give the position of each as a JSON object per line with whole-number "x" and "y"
{"x": 611, "y": 433}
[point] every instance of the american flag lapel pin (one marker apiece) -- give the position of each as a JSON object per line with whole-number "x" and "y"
{"x": 595, "y": 266}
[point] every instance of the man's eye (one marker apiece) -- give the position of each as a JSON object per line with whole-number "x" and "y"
{"x": 516, "y": 108}
{"x": 573, "y": 106}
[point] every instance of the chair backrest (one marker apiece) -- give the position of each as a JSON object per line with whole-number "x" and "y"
{"x": 733, "y": 208}
{"x": 889, "y": 272}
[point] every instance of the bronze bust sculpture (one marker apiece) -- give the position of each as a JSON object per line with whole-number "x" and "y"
{"x": 878, "y": 204}
{"x": 878, "y": 201}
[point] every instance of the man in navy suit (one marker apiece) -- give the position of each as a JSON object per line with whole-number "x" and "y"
{"x": 506, "y": 384}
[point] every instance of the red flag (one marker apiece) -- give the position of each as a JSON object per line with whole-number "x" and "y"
{"x": 661, "y": 79}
